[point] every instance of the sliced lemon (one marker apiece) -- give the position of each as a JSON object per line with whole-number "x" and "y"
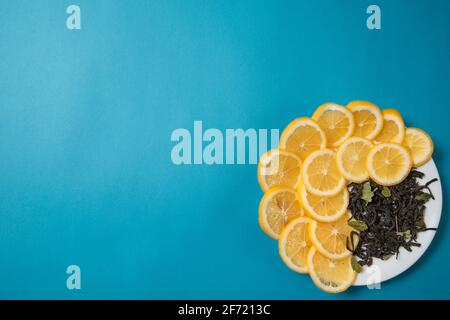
{"x": 368, "y": 119}
{"x": 330, "y": 275}
{"x": 294, "y": 244}
{"x": 336, "y": 121}
{"x": 303, "y": 136}
{"x": 321, "y": 175}
{"x": 330, "y": 237}
{"x": 277, "y": 208}
{"x": 420, "y": 145}
{"x": 393, "y": 128}
{"x": 389, "y": 164}
{"x": 279, "y": 168}
{"x": 351, "y": 159}
{"x": 324, "y": 209}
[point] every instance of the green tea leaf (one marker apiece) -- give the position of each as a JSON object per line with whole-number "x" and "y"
{"x": 355, "y": 265}
{"x": 386, "y": 192}
{"x": 420, "y": 224}
{"x": 405, "y": 234}
{"x": 387, "y": 257}
{"x": 367, "y": 192}
{"x": 408, "y": 235}
{"x": 358, "y": 225}
{"x": 423, "y": 197}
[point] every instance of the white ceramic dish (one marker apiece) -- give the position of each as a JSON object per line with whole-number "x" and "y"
{"x": 385, "y": 270}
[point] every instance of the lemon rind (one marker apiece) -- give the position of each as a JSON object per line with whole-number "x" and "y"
{"x": 262, "y": 205}
{"x": 345, "y": 111}
{"x": 303, "y": 121}
{"x": 319, "y": 246}
{"x": 379, "y": 179}
{"x": 307, "y": 162}
{"x": 310, "y": 210}
{"x": 340, "y": 160}
{"x": 359, "y": 105}
{"x": 421, "y": 161}
{"x": 281, "y": 245}
{"x": 393, "y": 115}
{"x": 271, "y": 153}
{"x": 315, "y": 278}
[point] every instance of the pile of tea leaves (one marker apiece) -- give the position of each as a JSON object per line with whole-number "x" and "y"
{"x": 386, "y": 219}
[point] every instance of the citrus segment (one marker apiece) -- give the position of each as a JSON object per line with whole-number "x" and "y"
{"x": 351, "y": 159}
{"x": 324, "y": 209}
{"x": 330, "y": 275}
{"x": 321, "y": 175}
{"x": 389, "y": 164}
{"x": 277, "y": 208}
{"x": 393, "y": 128}
{"x": 336, "y": 121}
{"x": 279, "y": 168}
{"x": 303, "y": 136}
{"x": 420, "y": 145}
{"x": 294, "y": 244}
{"x": 368, "y": 119}
{"x": 330, "y": 238}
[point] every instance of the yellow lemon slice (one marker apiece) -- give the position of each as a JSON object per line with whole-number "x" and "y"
{"x": 368, "y": 119}
{"x": 351, "y": 159}
{"x": 303, "y": 136}
{"x": 279, "y": 168}
{"x": 277, "y": 208}
{"x": 330, "y": 237}
{"x": 389, "y": 164}
{"x": 393, "y": 128}
{"x": 294, "y": 244}
{"x": 330, "y": 275}
{"x": 321, "y": 175}
{"x": 420, "y": 145}
{"x": 336, "y": 121}
{"x": 324, "y": 209}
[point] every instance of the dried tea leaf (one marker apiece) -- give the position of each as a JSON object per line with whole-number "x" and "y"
{"x": 385, "y": 216}
{"x": 386, "y": 192}
{"x": 367, "y": 193}
{"x": 355, "y": 265}
{"x": 358, "y": 225}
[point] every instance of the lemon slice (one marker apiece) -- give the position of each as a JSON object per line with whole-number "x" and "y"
{"x": 368, "y": 119}
{"x": 336, "y": 121}
{"x": 351, "y": 159}
{"x": 420, "y": 145}
{"x": 279, "y": 168}
{"x": 303, "y": 136}
{"x": 277, "y": 208}
{"x": 330, "y": 237}
{"x": 389, "y": 164}
{"x": 330, "y": 275}
{"x": 321, "y": 175}
{"x": 294, "y": 245}
{"x": 324, "y": 209}
{"x": 393, "y": 128}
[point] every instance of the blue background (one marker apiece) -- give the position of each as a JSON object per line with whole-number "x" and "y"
{"x": 86, "y": 116}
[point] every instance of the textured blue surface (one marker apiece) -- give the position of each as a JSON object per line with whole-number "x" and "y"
{"x": 86, "y": 116}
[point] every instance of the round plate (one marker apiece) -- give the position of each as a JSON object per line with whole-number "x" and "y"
{"x": 385, "y": 270}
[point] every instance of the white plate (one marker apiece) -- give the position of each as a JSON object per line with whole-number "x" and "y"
{"x": 385, "y": 270}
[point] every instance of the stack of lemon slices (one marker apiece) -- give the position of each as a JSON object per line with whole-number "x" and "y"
{"x": 305, "y": 202}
